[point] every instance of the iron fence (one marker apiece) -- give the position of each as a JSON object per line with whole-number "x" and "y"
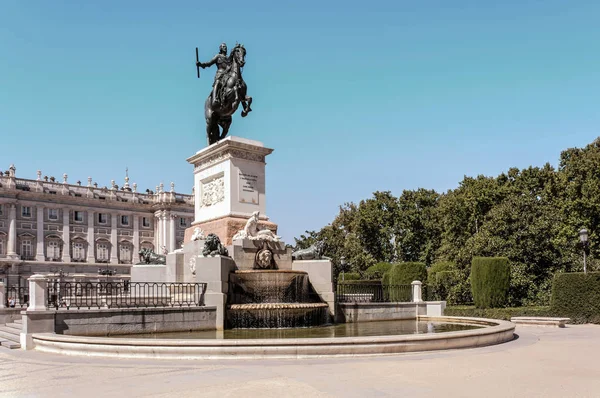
{"x": 373, "y": 293}
{"x": 17, "y": 297}
{"x": 124, "y": 295}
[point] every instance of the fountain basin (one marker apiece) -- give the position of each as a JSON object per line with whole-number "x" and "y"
{"x": 277, "y": 315}
{"x": 492, "y": 332}
{"x": 270, "y": 286}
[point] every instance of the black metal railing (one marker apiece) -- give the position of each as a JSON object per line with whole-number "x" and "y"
{"x": 17, "y": 297}
{"x": 373, "y": 293}
{"x": 124, "y": 295}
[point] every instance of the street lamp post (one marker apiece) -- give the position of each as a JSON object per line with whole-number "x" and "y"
{"x": 343, "y": 264}
{"x": 583, "y": 237}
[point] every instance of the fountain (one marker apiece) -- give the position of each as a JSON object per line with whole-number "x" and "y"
{"x": 273, "y": 299}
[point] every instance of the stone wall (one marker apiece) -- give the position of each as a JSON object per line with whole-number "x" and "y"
{"x": 366, "y": 312}
{"x": 105, "y": 322}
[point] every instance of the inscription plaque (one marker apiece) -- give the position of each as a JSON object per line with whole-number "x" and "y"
{"x": 248, "y": 188}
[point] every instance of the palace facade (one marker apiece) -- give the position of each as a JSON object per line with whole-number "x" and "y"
{"x": 49, "y": 227}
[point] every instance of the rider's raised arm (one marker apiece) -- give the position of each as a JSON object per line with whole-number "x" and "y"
{"x": 211, "y": 62}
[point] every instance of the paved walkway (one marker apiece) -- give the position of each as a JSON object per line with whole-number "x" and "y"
{"x": 542, "y": 362}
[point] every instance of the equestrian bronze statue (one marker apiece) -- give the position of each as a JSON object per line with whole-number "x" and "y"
{"x": 229, "y": 91}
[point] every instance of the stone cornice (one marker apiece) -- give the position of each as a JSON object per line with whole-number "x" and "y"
{"x": 230, "y": 148}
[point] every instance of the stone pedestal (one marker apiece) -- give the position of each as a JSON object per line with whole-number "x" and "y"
{"x": 416, "y": 292}
{"x": 229, "y": 185}
{"x": 214, "y": 271}
{"x": 148, "y": 273}
{"x": 320, "y": 274}
{"x": 37, "y": 319}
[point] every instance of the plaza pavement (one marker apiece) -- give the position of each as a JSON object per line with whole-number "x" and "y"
{"x": 542, "y": 362}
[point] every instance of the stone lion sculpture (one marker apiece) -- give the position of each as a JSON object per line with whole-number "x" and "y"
{"x": 314, "y": 252}
{"x": 213, "y": 246}
{"x": 147, "y": 256}
{"x": 198, "y": 234}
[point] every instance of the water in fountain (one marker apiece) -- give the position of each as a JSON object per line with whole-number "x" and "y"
{"x": 273, "y": 299}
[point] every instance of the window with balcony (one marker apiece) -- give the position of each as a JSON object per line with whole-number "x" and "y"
{"x": 26, "y": 249}
{"x": 183, "y": 222}
{"x": 145, "y": 222}
{"x": 78, "y": 216}
{"x": 53, "y": 250}
{"x": 53, "y": 214}
{"x": 102, "y": 252}
{"x": 2, "y": 252}
{"x": 125, "y": 253}
{"x": 26, "y": 211}
{"x": 125, "y": 220}
{"x": 102, "y": 218}
{"x": 78, "y": 251}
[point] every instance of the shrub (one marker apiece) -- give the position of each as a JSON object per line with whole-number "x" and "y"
{"x": 577, "y": 296}
{"x": 348, "y": 276}
{"x": 402, "y": 274}
{"x": 490, "y": 281}
{"x": 376, "y": 271}
{"x": 438, "y": 267}
{"x": 440, "y": 288}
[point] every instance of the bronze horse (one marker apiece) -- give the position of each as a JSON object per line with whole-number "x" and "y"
{"x": 232, "y": 93}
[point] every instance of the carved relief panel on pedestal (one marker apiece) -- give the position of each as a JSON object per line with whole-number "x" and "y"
{"x": 213, "y": 191}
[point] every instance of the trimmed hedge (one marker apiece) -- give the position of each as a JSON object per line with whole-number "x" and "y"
{"x": 402, "y": 274}
{"x": 438, "y": 267}
{"x": 490, "y": 281}
{"x": 376, "y": 271}
{"x": 349, "y": 276}
{"x": 497, "y": 313}
{"x": 577, "y": 296}
{"x": 405, "y": 274}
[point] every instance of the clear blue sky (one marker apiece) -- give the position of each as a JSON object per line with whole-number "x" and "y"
{"x": 354, "y": 96}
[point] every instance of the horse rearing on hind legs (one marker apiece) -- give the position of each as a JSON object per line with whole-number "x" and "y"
{"x": 232, "y": 93}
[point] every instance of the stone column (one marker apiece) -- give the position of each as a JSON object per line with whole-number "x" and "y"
{"x": 39, "y": 251}
{"x": 165, "y": 232}
{"x": 114, "y": 259}
{"x": 11, "y": 250}
{"x": 2, "y": 295}
{"x": 158, "y": 233}
{"x": 90, "y": 238}
{"x": 416, "y": 292}
{"x": 135, "y": 258}
{"x": 66, "y": 257}
{"x": 172, "y": 241}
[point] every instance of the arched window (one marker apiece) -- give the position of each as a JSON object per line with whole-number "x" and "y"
{"x": 102, "y": 252}
{"x": 26, "y": 249}
{"x": 125, "y": 252}
{"x": 2, "y": 248}
{"x": 78, "y": 251}
{"x": 53, "y": 249}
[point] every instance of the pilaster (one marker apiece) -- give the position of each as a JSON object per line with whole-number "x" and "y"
{"x": 66, "y": 236}
{"x": 136, "y": 240}
{"x": 114, "y": 259}
{"x": 39, "y": 252}
{"x": 90, "y": 238}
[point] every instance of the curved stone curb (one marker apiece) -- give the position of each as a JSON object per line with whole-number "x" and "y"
{"x": 496, "y": 332}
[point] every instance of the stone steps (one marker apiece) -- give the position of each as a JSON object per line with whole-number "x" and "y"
{"x": 10, "y": 334}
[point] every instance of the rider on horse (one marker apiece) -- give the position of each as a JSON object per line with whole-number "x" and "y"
{"x": 223, "y": 63}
